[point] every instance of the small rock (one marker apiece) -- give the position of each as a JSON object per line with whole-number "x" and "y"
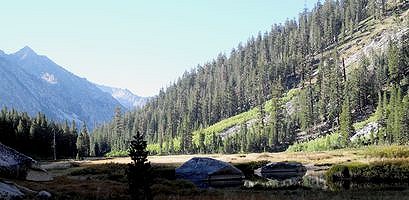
{"x": 43, "y": 195}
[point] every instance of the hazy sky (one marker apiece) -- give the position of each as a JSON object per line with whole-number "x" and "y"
{"x": 139, "y": 45}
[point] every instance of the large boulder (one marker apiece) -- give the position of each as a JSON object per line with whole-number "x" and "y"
{"x": 281, "y": 170}
{"x": 10, "y": 192}
{"x": 14, "y": 164}
{"x": 208, "y": 170}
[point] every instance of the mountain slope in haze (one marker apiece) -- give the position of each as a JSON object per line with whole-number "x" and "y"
{"x": 34, "y": 83}
{"x": 125, "y": 97}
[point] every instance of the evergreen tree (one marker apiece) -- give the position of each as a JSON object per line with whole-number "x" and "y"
{"x": 139, "y": 171}
{"x": 83, "y": 143}
{"x": 276, "y": 118}
{"x": 306, "y": 103}
{"x": 404, "y": 138}
{"x": 346, "y": 129}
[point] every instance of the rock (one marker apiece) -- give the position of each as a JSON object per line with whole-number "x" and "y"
{"x": 366, "y": 131}
{"x": 39, "y": 175}
{"x": 281, "y": 170}
{"x": 378, "y": 44}
{"x": 43, "y": 195}
{"x": 14, "y": 164}
{"x": 10, "y": 191}
{"x": 215, "y": 172}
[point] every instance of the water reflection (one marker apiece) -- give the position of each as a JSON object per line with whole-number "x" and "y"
{"x": 361, "y": 185}
{"x": 285, "y": 180}
{"x": 316, "y": 180}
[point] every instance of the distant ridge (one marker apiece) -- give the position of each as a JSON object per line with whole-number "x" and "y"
{"x": 125, "y": 97}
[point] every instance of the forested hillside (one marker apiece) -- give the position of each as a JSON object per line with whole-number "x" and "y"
{"x": 254, "y": 81}
{"x": 41, "y": 137}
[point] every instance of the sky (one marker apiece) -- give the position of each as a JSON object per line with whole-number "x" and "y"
{"x": 139, "y": 45}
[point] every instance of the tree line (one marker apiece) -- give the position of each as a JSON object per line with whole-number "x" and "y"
{"x": 42, "y": 138}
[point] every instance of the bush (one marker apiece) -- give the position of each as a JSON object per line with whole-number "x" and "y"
{"x": 117, "y": 154}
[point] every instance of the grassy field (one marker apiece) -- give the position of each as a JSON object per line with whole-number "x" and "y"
{"x": 105, "y": 178}
{"x": 364, "y": 154}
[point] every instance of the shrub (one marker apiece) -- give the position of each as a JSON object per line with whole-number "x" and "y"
{"x": 117, "y": 154}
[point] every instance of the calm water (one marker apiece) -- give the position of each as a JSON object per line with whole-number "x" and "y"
{"x": 315, "y": 179}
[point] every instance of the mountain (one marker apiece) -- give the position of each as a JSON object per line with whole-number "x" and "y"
{"x": 301, "y": 80}
{"x": 125, "y": 97}
{"x": 34, "y": 83}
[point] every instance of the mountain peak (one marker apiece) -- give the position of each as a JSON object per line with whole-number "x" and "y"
{"x": 24, "y": 52}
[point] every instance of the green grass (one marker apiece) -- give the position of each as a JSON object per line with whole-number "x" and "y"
{"x": 386, "y": 151}
{"x": 391, "y": 170}
{"x": 117, "y": 154}
{"x": 373, "y": 118}
{"x": 325, "y": 143}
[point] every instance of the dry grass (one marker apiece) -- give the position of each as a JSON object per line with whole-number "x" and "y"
{"x": 329, "y": 157}
{"x": 71, "y": 188}
{"x": 364, "y": 154}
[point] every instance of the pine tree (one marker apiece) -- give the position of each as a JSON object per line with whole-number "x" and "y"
{"x": 86, "y": 141}
{"x": 79, "y": 143}
{"x": 139, "y": 171}
{"x": 20, "y": 130}
{"x": 119, "y": 129}
{"x": 404, "y": 139}
{"x": 83, "y": 143}
{"x": 306, "y": 103}
{"x": 390, "y": 116}
{"x": 276, "y": 118}
{"x": 346, "y": 125}
{"x": 397, "y": 116}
